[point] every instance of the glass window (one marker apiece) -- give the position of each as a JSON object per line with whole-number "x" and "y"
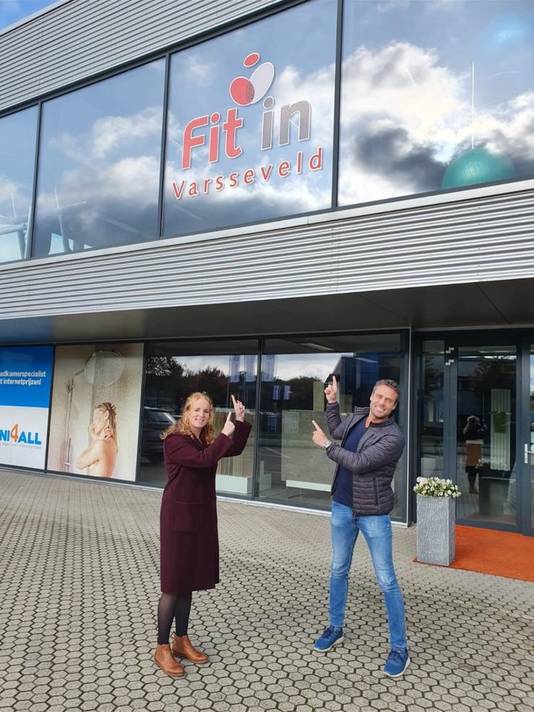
{"x": 435, "y": 95}
{"x": 99, "y": 164}
{"x": 17, "y": 160}
{"x": 432, "y": 409}
{"x": 294, "y": 375}
{"x": 250, "y": 137}
{"x": 172, "y": 372}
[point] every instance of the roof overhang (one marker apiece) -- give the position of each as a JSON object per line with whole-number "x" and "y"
{"x": 481, "y": 305}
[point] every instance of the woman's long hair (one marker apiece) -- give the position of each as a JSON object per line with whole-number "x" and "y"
{"x": 183, "y": 425}
{"x": 109, "y": 410}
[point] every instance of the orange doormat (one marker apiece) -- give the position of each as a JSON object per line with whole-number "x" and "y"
{"x": 494, "y": 552}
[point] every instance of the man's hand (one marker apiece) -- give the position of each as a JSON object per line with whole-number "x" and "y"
{"x": 318, "y": 437}
{"x": 239, "y": 410}
{"x": 331, "y": 391}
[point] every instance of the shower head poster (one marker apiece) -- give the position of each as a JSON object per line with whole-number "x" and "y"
{"x": 25, "y": 379}
{"x": 95, "y": 410}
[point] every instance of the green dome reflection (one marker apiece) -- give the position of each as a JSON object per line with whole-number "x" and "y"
{"x": 478, "y": 165}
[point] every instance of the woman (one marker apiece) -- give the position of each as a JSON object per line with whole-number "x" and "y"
{"x": 101, "y": 455}
{"x": 189, "y": 555}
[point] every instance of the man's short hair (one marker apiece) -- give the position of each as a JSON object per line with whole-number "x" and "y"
{"x": 390, "y": 383}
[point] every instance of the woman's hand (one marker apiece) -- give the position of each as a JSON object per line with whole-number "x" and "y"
{"x": 105, "y": 433}
{"x": 239, "y": 410}
{"x": 229, "y": 427}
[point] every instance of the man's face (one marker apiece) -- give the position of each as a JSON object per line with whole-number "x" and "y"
{"x": 383, "y": 402}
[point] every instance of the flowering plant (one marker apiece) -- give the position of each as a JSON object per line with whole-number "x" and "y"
{"x": 436, "y": 487}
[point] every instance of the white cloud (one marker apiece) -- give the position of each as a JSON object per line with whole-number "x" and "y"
{"x": 109, "y": 133}
{"x": 407, "y": 85}
{"x": 197, "y": 73}
{"x": 316, "y": 87}
{"x": 131, "y": 180}
{"x": 96, "y": 177}
{"x": 402, "y": 94}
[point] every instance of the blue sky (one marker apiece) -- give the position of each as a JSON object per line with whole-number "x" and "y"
{"x": 14, "y": 10}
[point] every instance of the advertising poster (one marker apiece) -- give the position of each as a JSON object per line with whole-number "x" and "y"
{"x": 25, "y": 379}
{"x": 95, "y": 410}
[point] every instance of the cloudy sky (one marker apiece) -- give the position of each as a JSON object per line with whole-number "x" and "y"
{"x": 99, "y": 162}
{"x": 14, "y": 10}
{"x": 416, "y": 96}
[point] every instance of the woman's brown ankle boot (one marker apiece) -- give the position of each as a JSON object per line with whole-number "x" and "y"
{"x": 181, "y": 645}
{"x": 163, "y": 658}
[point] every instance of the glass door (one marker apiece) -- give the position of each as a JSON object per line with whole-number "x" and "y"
{"x": 476, "y": 424}
{"x": 527, "y": 492}
{"x": 485, "y": 466}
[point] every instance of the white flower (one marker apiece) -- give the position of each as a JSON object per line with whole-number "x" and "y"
{"x": 436, "y": 487}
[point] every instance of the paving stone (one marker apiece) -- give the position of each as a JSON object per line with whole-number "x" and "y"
{"x": 86, "y": 568}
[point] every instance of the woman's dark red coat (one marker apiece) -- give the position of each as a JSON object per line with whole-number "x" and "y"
{"x": 189, "y": 554}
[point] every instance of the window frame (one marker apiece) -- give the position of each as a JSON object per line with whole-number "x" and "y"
{"x": 376, "y": 207}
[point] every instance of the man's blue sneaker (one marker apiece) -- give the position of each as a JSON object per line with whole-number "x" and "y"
{"x": 329, "y": 638}
{"x": 397, "y": 663}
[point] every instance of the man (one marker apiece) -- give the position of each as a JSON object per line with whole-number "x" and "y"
{"x": 362, "y": 498}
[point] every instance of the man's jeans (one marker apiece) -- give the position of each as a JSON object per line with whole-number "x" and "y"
{"x": 376, "y": 529}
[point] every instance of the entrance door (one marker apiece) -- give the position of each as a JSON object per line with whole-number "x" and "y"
{"x": 483, "y": 379}
{"x": 476, "y": 415}
{"x": 526, "y": 492}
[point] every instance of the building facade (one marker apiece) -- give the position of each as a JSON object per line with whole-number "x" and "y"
{"x": 248, "y": 197}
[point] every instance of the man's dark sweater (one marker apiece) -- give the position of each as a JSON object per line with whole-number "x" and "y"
{"x": 343, "y": 486}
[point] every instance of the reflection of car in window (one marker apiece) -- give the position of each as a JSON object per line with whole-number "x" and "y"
{"x": 155, "y": 421}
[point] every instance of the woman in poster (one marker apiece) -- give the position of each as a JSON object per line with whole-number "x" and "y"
{"x": 101, "y": 455}
{"x": 189, "y": 556}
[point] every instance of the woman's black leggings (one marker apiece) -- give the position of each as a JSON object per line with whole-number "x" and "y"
{"x": 177, "y": 606}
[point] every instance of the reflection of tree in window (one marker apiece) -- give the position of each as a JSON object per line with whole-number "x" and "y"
{"x": 211, "y": 380}
{"x": 168, "y": 383}
{"x": 163, "y": 375}
{"x": 301, "y": 393}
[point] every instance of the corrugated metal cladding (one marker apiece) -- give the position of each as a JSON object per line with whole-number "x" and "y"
{"x": 481, "y": 239}
{"x": 84, "y": 37}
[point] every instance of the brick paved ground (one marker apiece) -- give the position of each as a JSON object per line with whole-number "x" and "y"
{"x": 79, "y": 587}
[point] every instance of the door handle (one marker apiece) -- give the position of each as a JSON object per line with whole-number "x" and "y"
{"x": 527, "y": 451}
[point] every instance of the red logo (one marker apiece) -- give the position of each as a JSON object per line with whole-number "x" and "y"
{"x": 249, "y": 90}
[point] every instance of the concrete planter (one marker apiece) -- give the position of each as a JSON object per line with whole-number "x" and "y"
{"x": 435, "y": 529}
